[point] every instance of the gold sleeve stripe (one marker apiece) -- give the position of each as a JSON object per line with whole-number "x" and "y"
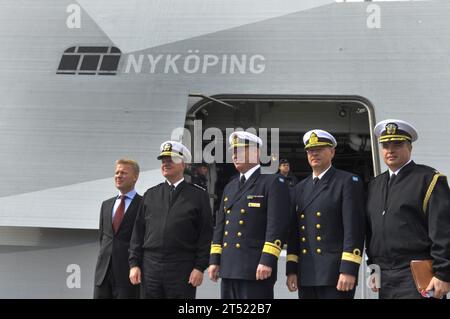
{"x": 351, "y": 257}
{"x": 272, "y": 245}
{"x": 430, "y": 191}
{"x": 293, "y": 258}
{"x": 216, "y": 249}
{"x": 269, "y": 249}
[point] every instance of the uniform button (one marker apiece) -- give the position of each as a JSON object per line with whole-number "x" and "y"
{"x": 239, "y": 234}
{"x": 303, "y": 227}
{"x": 318, "y": 250}
{"x": 225, "y": 244}
{"x": 238, "y": 245}
{"x": 303, "y": 239}
{"x": 228, "y": 211}
{"x": 304, "y": 251}
{"x": 318, "y": 214}
{"x": 319, "y": 238}
{"x": 227, "y": 222}
{"x": 302, "y": 216}
{"x": 241, "y": 222}
{"x": 318, "y": 226}
{"x": 226, "y": 233}
{"x": 225, "y": 199}
{"x": 242, "y": 211}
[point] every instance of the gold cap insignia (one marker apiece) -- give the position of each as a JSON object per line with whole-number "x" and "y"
{"x": 235, "y": 139}
{"x": 313, "y": 139}
{"x": 391, "y": 128}
{"x": 167, "y": 147}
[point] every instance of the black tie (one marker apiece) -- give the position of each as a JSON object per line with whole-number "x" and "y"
{"x": 391, "y": 180}
{"x": 171, "y": 192}
{"x": 241, "y": 181}
{"x": 315, "y": 181}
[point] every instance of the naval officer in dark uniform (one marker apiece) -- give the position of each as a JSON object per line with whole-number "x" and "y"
{"x": 408, "y": 216}
{"x": 327, "y": 233}
{"x": 172, "y": 235}
{"x": 251, "y": 225}
{"x": 284, "y": 170}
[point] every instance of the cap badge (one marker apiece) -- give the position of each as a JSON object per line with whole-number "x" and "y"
{"x": 313, "y": 139}
{"x": 235, "y": 139}
{"x": 391, "y": 128}
{"x": 167, "y": 147}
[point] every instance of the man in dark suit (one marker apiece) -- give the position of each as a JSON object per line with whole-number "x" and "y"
{"x": 327, "y": 233}
{"x": 117, "y": 217}
{"x": 408, "y": 216}
{"x": 251, "y": 226}
{"x": 170, "y": 244}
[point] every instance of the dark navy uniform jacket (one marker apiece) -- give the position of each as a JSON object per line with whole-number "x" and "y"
{"x": 327, "y": 234}
{"x": 411, "y": 221}
{"x": 175, "y": 231}
{"x": 251, "y": 226}
{"x": 291, "y": 180}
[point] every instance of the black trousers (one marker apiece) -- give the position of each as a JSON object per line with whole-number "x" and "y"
{"x": 110, "y": 290}
{"x": 398, "y": 284}
{"x": 246, "y": 289}
{"x": 324, "y": 292}
{"x": 167, "y": 280}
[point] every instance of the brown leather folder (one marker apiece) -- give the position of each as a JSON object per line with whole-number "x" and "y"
{"x": 422, "y": 273}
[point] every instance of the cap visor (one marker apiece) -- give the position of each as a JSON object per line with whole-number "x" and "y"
{"x": 242, "y": 145}
{"x": 392, "y": 138}
{"x": 319, "y": 144}
{"x": 169, "y": 154}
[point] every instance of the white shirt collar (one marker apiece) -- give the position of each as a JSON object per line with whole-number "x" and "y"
{"x": 129, "y": 195}
{"x": 177, "y": 183}
{"x": 250, "y": 172}
{"x": 398, "y": 171}
{"x": 321, "y": 174}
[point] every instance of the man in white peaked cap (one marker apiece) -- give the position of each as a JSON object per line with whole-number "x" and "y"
{"x": 408, "y": 217}
{"x": 251, "y": 225}
{"x": 171, "y": 237}
{"x": 327, "y": 232}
